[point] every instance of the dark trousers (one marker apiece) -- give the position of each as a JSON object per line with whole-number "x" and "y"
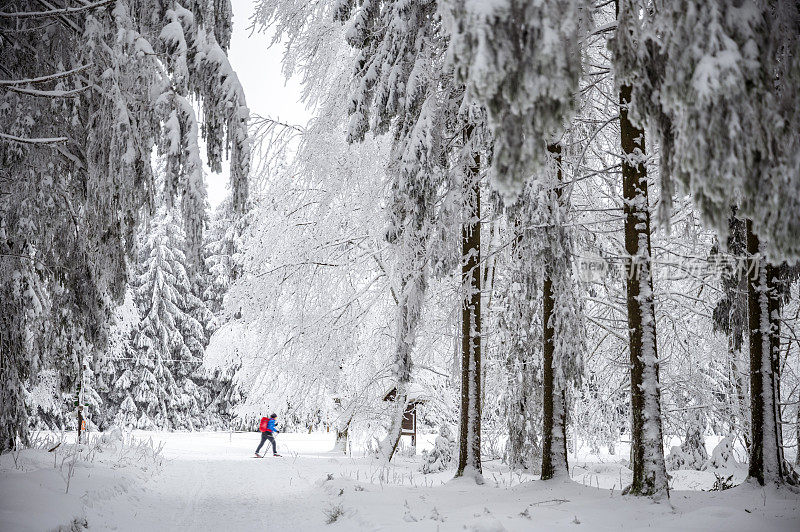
{"x": 264, "y": 437}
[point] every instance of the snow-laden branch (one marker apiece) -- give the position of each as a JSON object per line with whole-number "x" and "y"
{"x": 24, "y": 140}
{"x": 49, "y": 94}
{"x": 42, "y": 79}
{"x": 54, "y": 12}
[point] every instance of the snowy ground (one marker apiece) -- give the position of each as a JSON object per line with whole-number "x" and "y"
{"x": 208, "y": 481}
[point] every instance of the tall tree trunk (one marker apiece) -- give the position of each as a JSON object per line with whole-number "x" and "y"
{"x": 341, "y": 441}
{"x": 647, "y": 453}
{"x": 739, "y": 386}
{"x": 408, "y": 311}
{"x": 342, "y": 426}
{"x": 763, "y": 313}
{"x": 469, "y": 456}
{"x": 554, "y": 411}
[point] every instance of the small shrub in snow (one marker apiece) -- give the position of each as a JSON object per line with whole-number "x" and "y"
{"x": 333, "y": 513}
{"x": 690, "y": 455}
{"x": 722, "y": 483}
{"x": 78, "y": 524}
{"x": 722, "y": 455}
{"x": 441, "y": 456}
{"x": 675, "y": 459}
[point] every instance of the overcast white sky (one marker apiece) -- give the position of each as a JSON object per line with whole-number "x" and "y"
{"x": 259, "y": 70}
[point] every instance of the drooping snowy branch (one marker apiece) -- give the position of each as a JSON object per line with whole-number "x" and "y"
{"x": 522, "y": 61}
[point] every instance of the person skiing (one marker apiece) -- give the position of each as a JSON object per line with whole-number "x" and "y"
{"x": 267, "y": 428}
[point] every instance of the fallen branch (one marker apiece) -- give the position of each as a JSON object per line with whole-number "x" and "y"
{"x": 557, "y": 501}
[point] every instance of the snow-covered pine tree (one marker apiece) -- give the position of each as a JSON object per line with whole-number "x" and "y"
{"x": 550, "y": 345}
{"x": 472, "y": 276}
{"x": 441, "y": 456}
{"x": 698, "y": 67}
{"x": 168, "y": 342}
{"x": 522, "y": 61}
{"x": 562, "y": 322}
{"x": 730, "y": 318}
{"x": 520, "y": 330}
{"x": 223, "y": 255}
{"x": 764, "y": 302}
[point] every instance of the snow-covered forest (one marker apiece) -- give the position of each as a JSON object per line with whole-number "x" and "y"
{"x": 545, "y": 247}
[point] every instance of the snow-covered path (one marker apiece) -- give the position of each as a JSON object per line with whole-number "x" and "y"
{"x": 213, "y": 484}
{"x": 212, "y": 495}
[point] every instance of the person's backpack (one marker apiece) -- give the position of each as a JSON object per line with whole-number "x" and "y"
{"x": 263, "y": 425}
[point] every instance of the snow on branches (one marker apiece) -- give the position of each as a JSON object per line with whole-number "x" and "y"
{"x": 717, "y": 81}
{"x": 522, "y": 61}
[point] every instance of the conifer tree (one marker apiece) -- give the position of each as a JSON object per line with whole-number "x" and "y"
{"x": 764, "y": 298}
{"x": 647, "y": 455}
{"x": 168, "y": 342}
{"x": 522, "y": 61}
{"x": 696, "y": 67}
{"x": 222, "y": 255}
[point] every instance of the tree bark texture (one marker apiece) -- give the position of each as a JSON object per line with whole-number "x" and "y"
{"x": 763, "y": 313}
{"x": 554, "y": 411}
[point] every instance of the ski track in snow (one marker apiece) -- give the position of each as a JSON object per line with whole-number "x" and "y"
{"x": 196, "y": 491}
